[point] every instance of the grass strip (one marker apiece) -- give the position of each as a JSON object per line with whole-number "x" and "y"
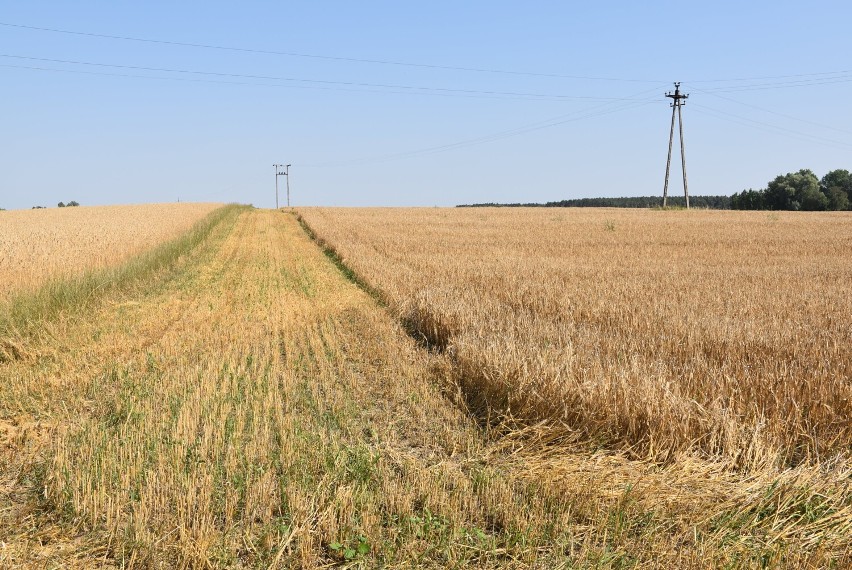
{"x": 338, "y": 261}
{"x": 21, "y": 314}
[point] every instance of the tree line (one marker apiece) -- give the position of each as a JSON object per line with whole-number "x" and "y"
{"x": 800, "y": 190}
{"x": 70, "y": 204}
{"x": 712, "y": 202}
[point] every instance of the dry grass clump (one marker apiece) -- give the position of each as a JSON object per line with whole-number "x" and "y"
{"x": 723, "y": 333}
{"x": 40, "y": 245}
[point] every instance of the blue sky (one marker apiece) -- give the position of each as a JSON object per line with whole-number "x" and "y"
{"x": 150, "y": 121}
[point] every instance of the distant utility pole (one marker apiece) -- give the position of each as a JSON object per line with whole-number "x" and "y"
{"x": 287, "y": 174}
{"x": 279, "y": 172}
{"x": 678, "y": 101}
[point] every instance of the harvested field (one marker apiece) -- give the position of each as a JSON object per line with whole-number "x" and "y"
{"x": 247, "y": 405}
{"x": 44, "y": 244}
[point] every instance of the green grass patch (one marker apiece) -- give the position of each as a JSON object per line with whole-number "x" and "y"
{"x": 341, "y": 266}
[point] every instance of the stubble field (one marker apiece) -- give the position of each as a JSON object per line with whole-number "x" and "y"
{"x": 443, "y": 388}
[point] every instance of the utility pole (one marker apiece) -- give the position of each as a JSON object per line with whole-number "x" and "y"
{"x": 279, "y": 172}
{"x": 287, "y": 174}
{"x": 678, "y": 101}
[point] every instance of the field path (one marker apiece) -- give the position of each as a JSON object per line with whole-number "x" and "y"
{"x": 249, "y": 407}
{"x": 220, "y": 413}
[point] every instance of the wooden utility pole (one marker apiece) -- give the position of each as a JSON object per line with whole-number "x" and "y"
{"x": 678, "y": 101}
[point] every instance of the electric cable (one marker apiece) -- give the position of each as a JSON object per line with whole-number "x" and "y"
{"x": 328, "y": 57}
{"x": 768, "y": 127}
{"x": 594, "y": 112}
{"x": 277, "y": 85}
{"x": 391, "y": 62}
{"x": 771, "y": 112}
{"x": 313, "y": 81}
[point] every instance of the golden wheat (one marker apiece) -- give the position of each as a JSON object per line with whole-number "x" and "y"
{"x": 656, "y": 332}
{"x": 38, "y": 245}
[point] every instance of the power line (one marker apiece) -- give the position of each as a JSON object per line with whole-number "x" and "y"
{"x": 750, "y": 84}
{"x": 768, "y": 77}
{"x": 839, "y": 77}
{"x": 391, "y": 62}
{"x": 258, "y": 84}
{"x": 410, "y": 88}
{"x": 768, "y": 127}
{"x": 594, "y": 112}
{"x": 328, "y": 57}
{"x": 771, "y": 112}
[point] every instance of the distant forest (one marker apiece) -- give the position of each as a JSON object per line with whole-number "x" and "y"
{"x": 800, "y": 190}
{"x": 710, "y": 202}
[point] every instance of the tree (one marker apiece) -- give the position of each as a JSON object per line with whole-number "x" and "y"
{"x": 73, "y": 203}
{"x": 748, "y": 200}
{"x": 835, "y": 185}
{"x": 837, "y": 199}
{"x": 812, "y": 199}
{"x": 795, "y": 190}
{"x": 60, "y": 205}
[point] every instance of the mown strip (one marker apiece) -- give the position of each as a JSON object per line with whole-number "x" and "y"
{"x": 338, "y": 261}
{"x": 427, "y": 332}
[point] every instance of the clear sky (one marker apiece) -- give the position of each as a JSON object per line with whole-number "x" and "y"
{"x": 402, "y": 103}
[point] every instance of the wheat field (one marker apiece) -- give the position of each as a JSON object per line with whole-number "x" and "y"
{"x": 430, "y": 389}
{"x": 43, "y": 244}
{"x": 722, "y": 333}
